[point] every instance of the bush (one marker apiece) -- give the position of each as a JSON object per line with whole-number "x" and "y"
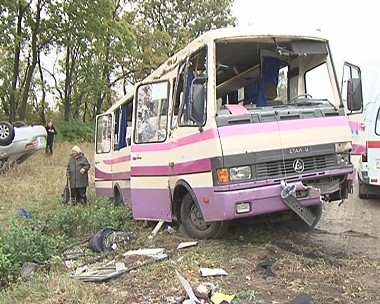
{"x": 23, "y": 242}
{"x": 83, "y": 220}
{"x": 25, "y": 239}
{"x": 75, "y": 131}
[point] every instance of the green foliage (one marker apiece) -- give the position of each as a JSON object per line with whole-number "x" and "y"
{"x": 43, "y": 239}
{"x": 22, "y": 242}
{"x": 83, "y": 220}
{"x": 75, "y": 131}
{"x": 245, "y": 296}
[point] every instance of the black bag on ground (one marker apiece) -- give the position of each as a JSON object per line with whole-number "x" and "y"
{"x": 65, "y": 196}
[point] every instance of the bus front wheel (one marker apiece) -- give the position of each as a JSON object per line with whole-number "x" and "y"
{"x": 194, "y": 224}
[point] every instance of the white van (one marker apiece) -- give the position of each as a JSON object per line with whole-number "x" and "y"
{"x": 369, "y": 162}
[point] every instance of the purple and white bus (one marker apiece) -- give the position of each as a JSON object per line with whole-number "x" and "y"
{"x": 222, "y": 128}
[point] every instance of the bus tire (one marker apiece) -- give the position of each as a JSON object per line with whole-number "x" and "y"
{"x": 193, "y": 223}
{"x": 118, "y": 198}
{"x": 299, "y": 225}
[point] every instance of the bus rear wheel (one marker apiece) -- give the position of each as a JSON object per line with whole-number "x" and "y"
{"x": 194, "y": 224}
{"x": 118, "y": 198}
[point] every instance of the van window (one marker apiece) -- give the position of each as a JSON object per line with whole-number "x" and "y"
{"x": 152, "y": 112}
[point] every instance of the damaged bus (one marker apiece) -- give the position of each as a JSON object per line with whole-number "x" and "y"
{"x": 241, "y": 124}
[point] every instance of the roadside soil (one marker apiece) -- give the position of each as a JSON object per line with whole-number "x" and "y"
{"x": 337, "y": 262}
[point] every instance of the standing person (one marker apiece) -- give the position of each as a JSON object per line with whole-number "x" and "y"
{"x": 77, "y": 172}
{"x": 51, "y": 132}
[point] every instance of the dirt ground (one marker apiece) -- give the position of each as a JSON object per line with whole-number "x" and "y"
{"x": 352, "y": 227}
{"x": 337, "y": 262}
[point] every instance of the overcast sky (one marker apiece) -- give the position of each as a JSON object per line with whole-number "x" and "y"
{"x": 351, "y": 28}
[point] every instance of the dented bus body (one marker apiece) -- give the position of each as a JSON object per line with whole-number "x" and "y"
{"x": 229, "y": 128}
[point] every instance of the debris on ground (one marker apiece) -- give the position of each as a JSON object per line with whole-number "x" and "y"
{"x": 265, "y": 268}
{"x": 111, "y": 270}
{"x": 107, "y": 239}
{"x": 186, "y": 244}
{"x": 204, "y": 272}
{"x": 218, "y": 298}
{"x": 156, "y": 229}
{"x": 24, "y": 213}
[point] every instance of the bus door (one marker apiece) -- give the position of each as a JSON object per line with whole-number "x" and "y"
{"x": 150, "y": 194}
{"x": 103, "y": 145}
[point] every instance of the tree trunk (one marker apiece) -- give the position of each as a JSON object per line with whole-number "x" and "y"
{"x": 67, "y": 101}
{"x": 16, "y": 63}
{"x": 32, "y": 65}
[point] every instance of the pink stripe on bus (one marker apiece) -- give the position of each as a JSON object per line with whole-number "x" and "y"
{"x": 196, "y": 166}
{"x": 198, "y": 137}
{"x": 110, "y": 176}
{"x": 117, "y": 160}
{"x": 287, "y": 125}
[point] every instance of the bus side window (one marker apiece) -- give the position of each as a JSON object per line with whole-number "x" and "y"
{"x": 195, "y": 69}
{"x": 152, "y": 112}
{"x": 104, "y": 132}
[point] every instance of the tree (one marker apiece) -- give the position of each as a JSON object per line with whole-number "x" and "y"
{"x": 163, "y": 27}
{"x": 24, "y": 38}
{"x": 91, "y": 40}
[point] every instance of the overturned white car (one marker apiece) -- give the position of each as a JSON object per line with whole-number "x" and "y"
{"x": 19, "y": 141}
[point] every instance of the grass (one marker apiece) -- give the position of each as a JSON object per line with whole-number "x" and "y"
{"x": 36, "y": 186}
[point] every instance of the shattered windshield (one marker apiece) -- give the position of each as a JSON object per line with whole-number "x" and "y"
{"x": 273, "y": 71}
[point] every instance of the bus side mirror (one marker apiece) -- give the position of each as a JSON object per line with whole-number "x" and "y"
{"x": 197, "y": 100}
{"x": 354, "y": 95}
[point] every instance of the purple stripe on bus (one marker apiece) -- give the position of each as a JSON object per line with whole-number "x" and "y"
{"x": 146, "y": 208}
{"x": 286, "y": 125}
{"x": 117, "y": 160}
{"x": 111, "y": 176}
{"x": 195, "y": 166}
{"x": 106, "y": 192}
{"x": 220, "y": 206}
{"x": 263, "y": 200}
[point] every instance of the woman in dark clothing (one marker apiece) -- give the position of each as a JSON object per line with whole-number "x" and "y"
{"x": 77, "y": 172}
{"x": 51, "y": 132}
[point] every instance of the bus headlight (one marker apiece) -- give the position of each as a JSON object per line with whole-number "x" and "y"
{"x": 343, "y": 159}
{"x": 240, "y": 173}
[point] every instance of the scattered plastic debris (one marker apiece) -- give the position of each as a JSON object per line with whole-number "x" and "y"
{"x": 218, "y": 298}
{"x": 212, "y": 272}
{"x": 186, "y": 244}
{"x": 28, "y": 269}
{"x": 155, "y": 230}
{"x": 147, "y": 252}
{"x": 24, "y": 213}
{"x": 107, "y": 272}
{"x": 189, "y": 291}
